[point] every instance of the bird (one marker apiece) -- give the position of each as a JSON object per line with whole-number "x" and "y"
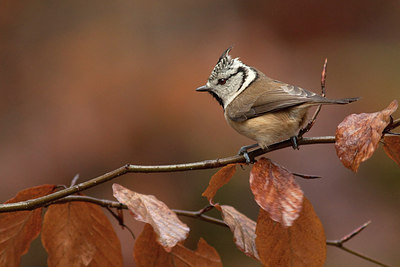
{"x": 259, "y": 107}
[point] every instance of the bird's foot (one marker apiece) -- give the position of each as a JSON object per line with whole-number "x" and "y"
{"x": 294, "y": 140}
{"x": 244, "y": 151}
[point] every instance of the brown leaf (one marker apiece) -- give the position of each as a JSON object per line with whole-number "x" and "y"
{"x": 276, "y": 191}
{"x": 243, "y": 228}
{"x": 79, "y": 234}
{"x": 149, "y": 209}
{"x": 392, "y": 147}
{"x": 302, "y": 244}
{"x": 148, "y": 252}
{"x": 358, "y": 135}
{"x": 18, "y": 229}
{"x": 219, "y": 179}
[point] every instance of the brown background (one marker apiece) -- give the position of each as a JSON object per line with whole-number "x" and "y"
{"x": 87, "y": 86}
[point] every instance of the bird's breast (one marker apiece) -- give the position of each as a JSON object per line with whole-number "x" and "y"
{"x": 271, "y": 127}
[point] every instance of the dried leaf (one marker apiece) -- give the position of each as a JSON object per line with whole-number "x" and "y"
{"x": 302, "y": 244}
{"x": 392, "y": 147}
{"x": 219, "y": 179}
{"x": 276, "y": 191}
{"x": 149, "y": 209}
{"x": 19, "y": 228}
{"x": 79, "y": 234}
{"x": 358, "y": 135}
{"x": 243, "y": 228}
{"x": 148, "y": 252}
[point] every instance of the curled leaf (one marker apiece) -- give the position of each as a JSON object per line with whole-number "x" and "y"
{"x": 243, "y": 229}
{"x": 219, "y": 179}
{"x": 19, "y": 228}
{"x": 148, "y": 252}
{"x": 392, "y": 147}
{"x": 148, "y": 209}
{"x": 358, "y": 135}
{"x": 276, "y": 191}
{"x": 302, "y": 244}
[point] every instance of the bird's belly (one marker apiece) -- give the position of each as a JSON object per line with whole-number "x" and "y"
{"x": 269, "y": 128}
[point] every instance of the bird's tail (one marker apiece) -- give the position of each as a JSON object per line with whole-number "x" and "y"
{"x": 326, "y": 101}
{"x": 344, "y": 100}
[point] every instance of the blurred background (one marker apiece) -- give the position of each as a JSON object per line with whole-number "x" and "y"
{"x": 87, "y": 86}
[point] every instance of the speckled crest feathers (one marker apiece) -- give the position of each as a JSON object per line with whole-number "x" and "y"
{"x": 224, "y": 62}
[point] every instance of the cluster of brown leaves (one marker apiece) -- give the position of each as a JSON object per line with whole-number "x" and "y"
{"x": 270, "y": 242}
{"x": 287, "y": 231}
{"x": 73, "y": 234}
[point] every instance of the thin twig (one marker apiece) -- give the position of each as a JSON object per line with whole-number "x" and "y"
{"x": 205, "y": 209}
{"x": 121, "y": 222}
{"x": 310, "y": 124}
{"x": 396, "y": 123}
{"x": 339, "y": 243}
{"x": 396, "y": 134}
{"x": 393, "y": 124}
{"x": 306, "y": 176}
{"x": 323, "y": 77}
{"x": 195, "y": 214}
{"x": 354, "y": 232}
{"x": 349, "y": 236}
{"x": 363, "y": 257}
{"x": 75, "y": 179}
{"x": 201, "y": 165}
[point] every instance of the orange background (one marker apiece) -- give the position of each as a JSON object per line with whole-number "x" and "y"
{"x": 88, "y": 86}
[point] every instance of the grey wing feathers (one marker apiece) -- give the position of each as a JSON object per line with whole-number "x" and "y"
{"x": 281, "y": 96}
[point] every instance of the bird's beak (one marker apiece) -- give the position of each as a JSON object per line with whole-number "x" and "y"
{"x": 203, "y": 88}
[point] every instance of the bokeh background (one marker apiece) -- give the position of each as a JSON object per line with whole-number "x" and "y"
{"x": 87, "y": 86}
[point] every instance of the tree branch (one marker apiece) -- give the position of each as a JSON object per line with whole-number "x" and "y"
{"x": 201, "y": 165}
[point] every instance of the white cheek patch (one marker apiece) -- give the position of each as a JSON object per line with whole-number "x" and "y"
{"x": 251, "y": 76}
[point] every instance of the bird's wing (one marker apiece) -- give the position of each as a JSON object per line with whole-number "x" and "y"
{"x": 278, "y": 96}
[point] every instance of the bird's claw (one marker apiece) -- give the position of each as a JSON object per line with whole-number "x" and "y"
{"x": 244, "y": 151}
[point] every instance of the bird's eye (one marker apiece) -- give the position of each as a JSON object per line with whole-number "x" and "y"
{"x": 221, "y": 81}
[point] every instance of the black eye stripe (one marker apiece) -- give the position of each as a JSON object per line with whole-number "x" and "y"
{"x": 240, "y": 69}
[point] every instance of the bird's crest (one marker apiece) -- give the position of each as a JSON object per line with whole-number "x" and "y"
{"x": 224, "y": 62}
